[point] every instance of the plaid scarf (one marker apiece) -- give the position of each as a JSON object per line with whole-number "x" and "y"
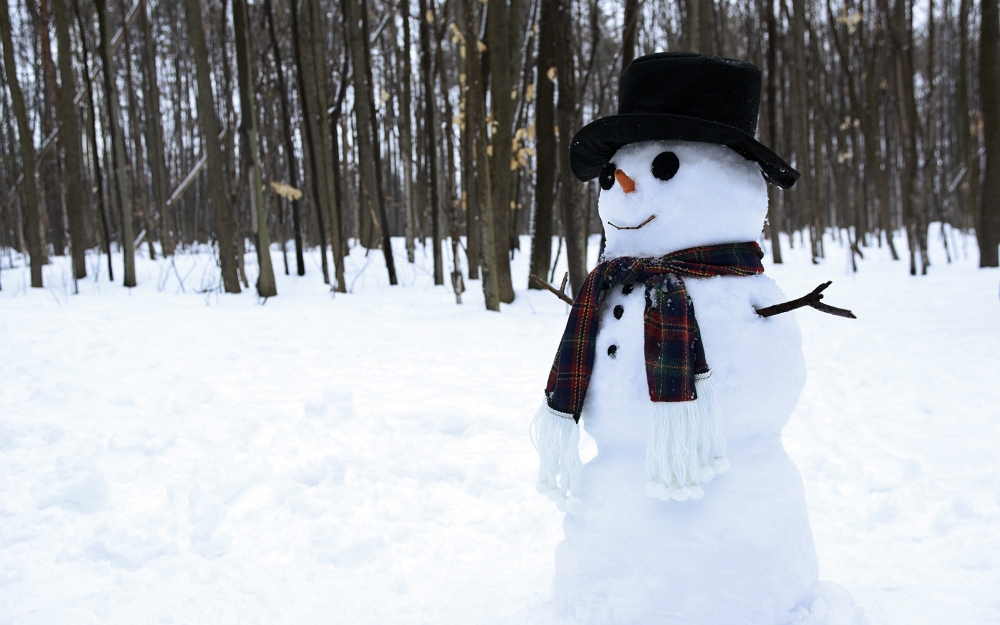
{"x": 673, "y": 348}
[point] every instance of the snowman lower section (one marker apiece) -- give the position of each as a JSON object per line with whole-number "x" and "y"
{"x": 742, "y": 554}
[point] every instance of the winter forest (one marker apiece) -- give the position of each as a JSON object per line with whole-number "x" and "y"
{"x": 303, "y": 407}
{"x": 168, "y": 125}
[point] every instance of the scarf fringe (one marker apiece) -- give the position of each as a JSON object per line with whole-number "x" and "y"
{"x": 557, "y": 440}
{"x": 686, "y": 445}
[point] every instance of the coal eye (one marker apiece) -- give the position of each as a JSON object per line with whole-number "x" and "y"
{"x": 607, "y": 177}
{"x": 665, "y": 165}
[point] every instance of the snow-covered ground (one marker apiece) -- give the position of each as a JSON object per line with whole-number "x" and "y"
{"x": 173, "y": 456}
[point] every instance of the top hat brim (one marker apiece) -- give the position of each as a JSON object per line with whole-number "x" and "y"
{"x": 596, "y": 143}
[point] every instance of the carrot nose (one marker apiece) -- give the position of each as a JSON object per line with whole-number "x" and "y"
{"x": 627, "y": 184}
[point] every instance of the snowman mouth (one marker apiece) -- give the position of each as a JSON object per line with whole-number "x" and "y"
{"x": 648, "y": 219}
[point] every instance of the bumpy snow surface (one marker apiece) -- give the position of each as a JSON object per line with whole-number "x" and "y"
{"x": 171, "y": 456}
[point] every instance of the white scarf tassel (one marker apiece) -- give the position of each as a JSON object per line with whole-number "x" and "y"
{"x": 686, "y": 445}
{"x": 557, "y": 440}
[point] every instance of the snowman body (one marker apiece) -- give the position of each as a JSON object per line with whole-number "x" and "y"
{"x": 742, "y": 553}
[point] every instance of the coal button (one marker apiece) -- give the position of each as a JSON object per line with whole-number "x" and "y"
{"x": 619, "y": 311}
{"x": 627, "y": 289}
{"x": 612, "y": 350}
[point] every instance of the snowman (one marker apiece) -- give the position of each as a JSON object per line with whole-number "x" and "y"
{"x": 691, "y": 512}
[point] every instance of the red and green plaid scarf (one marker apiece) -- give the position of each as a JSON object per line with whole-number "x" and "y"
{"x": 673, "y": 348}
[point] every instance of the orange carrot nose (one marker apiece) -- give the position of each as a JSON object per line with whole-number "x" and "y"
{"x": 627, "y": 184}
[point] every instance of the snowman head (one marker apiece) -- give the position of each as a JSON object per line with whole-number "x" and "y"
{"x": 658, "y": 197}
{"x": 679, "y": 164}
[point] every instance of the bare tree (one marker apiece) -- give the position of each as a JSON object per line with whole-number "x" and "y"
{"x": 369, "y": 153}
{"x": 988, "y": 227}
{"x": 32, "y": 224}
{"x": 120, "y": 161}
{"x": 251, "y": 151}
{"x": 545, "y": 142}
{"x": 475, "y": 116}
{"x": 211, "y": 129}
{"x": 154, "y": 133}
{"x": 76, "y": 200}
{"x": 289, "y": 145}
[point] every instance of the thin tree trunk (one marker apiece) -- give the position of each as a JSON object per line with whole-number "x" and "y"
{"x": 251, "y": 149}
{"x": 406, "y": 135}
{"x": 449, "y": 199}
{"x": 470, "y": 194}
{"x": 69, "y": 139}
{"x": 574, "y": 214}
{"x": 139, "y": 187}
{"x": 430, "y": 139}
{"x": 501, "y": 20}
{"x": 967, "y": 139}
{"x": 545, "y": 143}
{"x": 31, "y": 205}
{"x": 876, "y": 165}
{"x": 631, "y": 20}
{"x": 289, "y": 146}
{"x": 53, "y": 222}
{"x": 154, "y": 135}
{"x": 117, "y": 144}
{"x": 800, "y": 120}
{"x": 476, "y": 121}
{"x": 95, "y": 153}
{"x": 210, "y": 129}
{"x": 311, "y": 117}
{"x": 988, "y": 228}
{"x": 899, "y": 35}
{"x": 773, "y": 201}
{"x": 369, "y": 152}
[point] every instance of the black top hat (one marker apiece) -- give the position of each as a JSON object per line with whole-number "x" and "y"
{"x": 681, "y": 96}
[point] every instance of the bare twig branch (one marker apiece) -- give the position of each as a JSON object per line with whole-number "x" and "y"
{"x": 557, "y": 292}
{"x": 812, "y": 300}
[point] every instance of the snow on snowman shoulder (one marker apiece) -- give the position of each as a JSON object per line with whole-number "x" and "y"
{"x": 682, "y": 197}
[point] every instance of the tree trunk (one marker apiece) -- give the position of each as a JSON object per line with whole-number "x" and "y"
{"x": 139, "y": 169}
{"x": 95, "y": 153}
{"x": 369, "y": 152}
{"x": 628, "y": 36}
{"x": 545, "y": 143}
{"x": 968, "y": 142}
{"x": 773, "y": 205}
{"x": 312, "y": 117}
{"x": 118, "y": 143}
{"x": 574, "y": 214}
{"x": 876, "y": 165}
{"x": 471, "y": 202}
{"x": 406, "y": 135}
{"x": 988, "y": 228}
{"x": 476, "y": 122}
{"x": 289, "y": 145}
{"x": 52, "y": 220}
{"x": 154, "y": 135}
{"x": 210, "y": 129}
{"x": 430, "y": 139}
{"x": 251, "y": 149}
{"x": 70, "y": 141}
{"x": 502, "y": 19}
{"x": 800, "y": 120}
{"x": 899, "y": 34}
{"x": 33, "y": 236}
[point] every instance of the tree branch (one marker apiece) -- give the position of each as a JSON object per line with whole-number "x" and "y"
{"x": 557, "y": 292}
{"x": 812, "y": 300}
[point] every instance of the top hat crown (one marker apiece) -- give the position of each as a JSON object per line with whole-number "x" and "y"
{"x": 687, "y": 97}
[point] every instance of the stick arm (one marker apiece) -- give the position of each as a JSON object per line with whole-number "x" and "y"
{"x": 812, "y": 300}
